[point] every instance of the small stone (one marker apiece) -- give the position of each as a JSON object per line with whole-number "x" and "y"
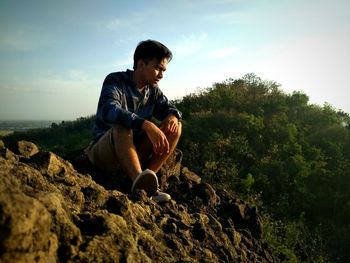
{"x": 27, "y": 149}
{"x": 207, "y": 193}
{"x": 7, "y": 154}
{"x": 191, "y": 176}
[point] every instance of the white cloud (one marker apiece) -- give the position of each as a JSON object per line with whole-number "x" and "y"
{"x": 223, "y": 52}
{"x": 69, "y": 82}
{"x": 16, "y": 41}
{"x": 189, "y": 44}
{"x": 67, "y": 96}
{"x": 24, "y": 39}
{"x": 124, "y": 61}
{"x": 114, "y": 24}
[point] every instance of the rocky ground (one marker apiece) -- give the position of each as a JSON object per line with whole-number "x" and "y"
{"x": 52, "y": 210}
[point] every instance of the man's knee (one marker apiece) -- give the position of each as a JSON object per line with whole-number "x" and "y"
{"x": 122, "y": 133}
{"x": 176, "y": 135}
{"x": 179, "y": 130}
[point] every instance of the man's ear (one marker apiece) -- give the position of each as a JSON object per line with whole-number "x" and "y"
{"x": 141, "y": 64}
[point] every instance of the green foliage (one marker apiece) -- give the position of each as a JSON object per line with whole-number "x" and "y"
{"x": 292, "y": 241}
{"x": 247, "y": 135}
{"x": 59, "y": 138}
{"x": 248, "y": 183}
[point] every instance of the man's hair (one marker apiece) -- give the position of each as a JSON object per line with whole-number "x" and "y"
{"x": 150, "y": 49}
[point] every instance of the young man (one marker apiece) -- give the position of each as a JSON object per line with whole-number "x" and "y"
{"x": 124, "y": 136}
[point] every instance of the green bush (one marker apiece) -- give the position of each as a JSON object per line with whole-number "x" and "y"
{"x": 250, "y": 137}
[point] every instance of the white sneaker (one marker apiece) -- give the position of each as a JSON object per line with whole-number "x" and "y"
{"x": 161, "y": 197}
{"x": 148, "y": 181}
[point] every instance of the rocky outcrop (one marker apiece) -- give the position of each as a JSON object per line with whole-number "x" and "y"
{"x": 52, "y": 210}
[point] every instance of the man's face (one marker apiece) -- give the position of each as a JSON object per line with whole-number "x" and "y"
{"x": 153, "y": 71}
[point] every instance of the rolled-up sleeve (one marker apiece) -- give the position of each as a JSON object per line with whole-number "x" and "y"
{"x": 163, "y": 107}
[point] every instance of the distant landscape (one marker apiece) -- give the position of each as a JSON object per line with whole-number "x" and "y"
{"x": 10, "y": 126}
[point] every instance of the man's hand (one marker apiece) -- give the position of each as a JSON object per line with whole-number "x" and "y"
{"x": 157, "y": 137}
{"x": 170, "y": 124}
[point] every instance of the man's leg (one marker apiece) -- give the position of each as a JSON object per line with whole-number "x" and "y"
{"x": 145, "y": 150}
{"x": 125, "y": 151}
{"x": 115, "y": 150}
{"x": 129, "y": 161}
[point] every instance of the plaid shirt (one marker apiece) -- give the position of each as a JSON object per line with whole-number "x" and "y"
{"x": 122, "y": 103}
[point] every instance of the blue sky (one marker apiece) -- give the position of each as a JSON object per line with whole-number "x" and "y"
{"x": 54, "y": 55}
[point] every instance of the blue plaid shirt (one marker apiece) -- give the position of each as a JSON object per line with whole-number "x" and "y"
{"x": 122, "y": 103}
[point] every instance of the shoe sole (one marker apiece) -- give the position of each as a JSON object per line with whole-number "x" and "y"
{"x": 148, "y": 181}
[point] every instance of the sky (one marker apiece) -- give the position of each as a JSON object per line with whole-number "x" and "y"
{"x": 54, "y": 55}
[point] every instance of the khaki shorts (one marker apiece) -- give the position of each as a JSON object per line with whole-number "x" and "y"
{"x": 102, "y": 153}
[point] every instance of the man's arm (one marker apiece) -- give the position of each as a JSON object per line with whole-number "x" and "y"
{"x": 163, "y": 108}
{"x": 157, "y": 137}
{"x": 111, "y": 105}
{"x": 170, "y": 124}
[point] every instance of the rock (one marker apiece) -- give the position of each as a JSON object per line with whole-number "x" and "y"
{"x": 190, "y": 176}
{"x": 52, "y": 211}
{"x": 7, "y": 154}
{"x": 51, "y": 164}
{"x": 171, "y": 168}
{"x": 206, "y": 193}
{"x": 27, "y": 149}
{"x": 243, "y": 215}
{"x": 25, "y": 227}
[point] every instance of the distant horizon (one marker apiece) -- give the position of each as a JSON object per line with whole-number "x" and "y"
{"x": 24, "y": 125}
{"x": 33, "y": 120}
{"x": 47, "y": 120}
